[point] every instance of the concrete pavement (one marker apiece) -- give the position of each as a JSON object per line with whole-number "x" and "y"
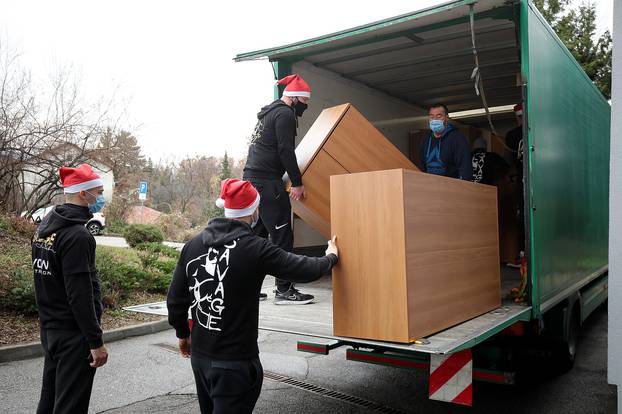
{"x": 144, "y": 377}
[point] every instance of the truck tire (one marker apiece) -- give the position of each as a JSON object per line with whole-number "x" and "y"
{"x": 564, "y": 352}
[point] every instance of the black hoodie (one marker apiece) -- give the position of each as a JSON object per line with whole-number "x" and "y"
{"x": 219, "y": 277}
{"x": 66, "y": 283}
{"x": 272, "y": 149}
{"x": 453, "y": 149}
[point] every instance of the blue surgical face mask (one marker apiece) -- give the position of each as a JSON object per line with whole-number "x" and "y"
{"x": 437, "y": 125}
{"x": 100, "y": 202}
{"x": 255, "y": 221}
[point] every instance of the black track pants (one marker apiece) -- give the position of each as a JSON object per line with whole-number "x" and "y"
{"x": 67, "y": 375}
{"x": 226, "y": 387}
{"x": 275, "y": 215}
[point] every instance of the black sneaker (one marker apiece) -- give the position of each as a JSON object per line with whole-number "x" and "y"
{"x": 292, "y": 297}
{"x": 263, "y": 296}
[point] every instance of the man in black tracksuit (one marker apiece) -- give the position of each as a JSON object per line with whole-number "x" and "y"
{"x": 68, "y": 297}
{"x": 272, "y": 153}
{"x": 218, "y": 277}
{"x": 488, "y": 167}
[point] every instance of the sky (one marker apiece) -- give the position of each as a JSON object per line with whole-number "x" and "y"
{"x": 168, "y": 66}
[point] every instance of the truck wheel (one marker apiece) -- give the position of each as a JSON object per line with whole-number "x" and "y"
{"x": 565, "y": 352}
{"x": 94, "y": 228}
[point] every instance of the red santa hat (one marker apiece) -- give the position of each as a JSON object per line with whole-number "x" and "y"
{"x": 78, "y": 179}
{"x": 238, "y": 197}
{"x": 296, "y": 86}
{"x": 518, "y": 109}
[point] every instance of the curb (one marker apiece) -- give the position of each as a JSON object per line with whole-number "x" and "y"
{"x": 34, "y": 349}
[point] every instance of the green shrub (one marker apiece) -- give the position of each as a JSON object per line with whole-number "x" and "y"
{"x": 122, "y": 272}
{"x": 16, "y": 277}
{"x": 165, "y": 266}
{"x": 173, "y": 225}
{"x": 115, "y": 227}
{"x": 13, "y": 254}
{"x": 4, "y": 223}
{"x": 120, "y": 278}
{"x": 120, "y": 254}
{"x": 163, "y": 249}
{"x": 157, "y": 282}
{"x": 117, "y": 279}
{"x": 18, "y": 291}
{"x": 148, "y": 259}
{"x": 141, "y": 233}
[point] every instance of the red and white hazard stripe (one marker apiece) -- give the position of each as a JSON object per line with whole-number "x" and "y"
{"x": 451, "y": 378}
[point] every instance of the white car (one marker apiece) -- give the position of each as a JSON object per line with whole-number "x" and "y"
{"x": 95, "y": 225}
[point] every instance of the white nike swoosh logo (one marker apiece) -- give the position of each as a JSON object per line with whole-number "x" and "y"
{"x": 281, "y": 226}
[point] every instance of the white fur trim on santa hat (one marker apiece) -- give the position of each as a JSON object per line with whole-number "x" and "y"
{"x": 242, "y": 212}
{"x": 297, "y": 93}
{"x": 87, "y": 185}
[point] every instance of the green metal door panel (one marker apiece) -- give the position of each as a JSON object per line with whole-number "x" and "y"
{"x": 568, "y": 156}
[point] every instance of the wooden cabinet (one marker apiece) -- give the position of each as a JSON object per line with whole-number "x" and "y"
{"x": 418, "y": 253}
{"x": 340, "y": 141}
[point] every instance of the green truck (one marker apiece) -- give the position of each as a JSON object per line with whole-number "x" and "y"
{"x": 391, "y": 70}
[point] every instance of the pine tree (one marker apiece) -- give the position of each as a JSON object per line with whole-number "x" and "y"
{"x": 225, "y": 169}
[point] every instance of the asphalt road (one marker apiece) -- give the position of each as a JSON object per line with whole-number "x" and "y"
{"x": 145, "y": 376}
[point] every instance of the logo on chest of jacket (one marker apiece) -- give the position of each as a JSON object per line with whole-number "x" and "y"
{"x": 46, "y": 243}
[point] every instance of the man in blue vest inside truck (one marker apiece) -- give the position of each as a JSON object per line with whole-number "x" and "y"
{"x": 446, "y": 150}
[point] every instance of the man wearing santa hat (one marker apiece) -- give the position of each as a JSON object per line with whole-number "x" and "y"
{"x": 218, "y": 277}
{"x": 68, "y": 295}
{"x": 514, "y": 138}
{"x": 270, "y": 155}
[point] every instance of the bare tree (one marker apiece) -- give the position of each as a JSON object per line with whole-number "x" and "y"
{"x": 186, "y": 184}
{"x": 39, "y": 134}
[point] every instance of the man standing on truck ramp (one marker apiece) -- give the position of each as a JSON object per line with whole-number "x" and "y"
{"x": 68, "y": 295}
{"x": 271, "y": 153}
{"x": 218, "y": 277}
{"x": 446, "y": 150}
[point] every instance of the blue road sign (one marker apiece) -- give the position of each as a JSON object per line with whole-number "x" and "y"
{"x": 142, "y": 190}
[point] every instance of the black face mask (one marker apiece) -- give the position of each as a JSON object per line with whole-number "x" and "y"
{"x": 299, "y": 108}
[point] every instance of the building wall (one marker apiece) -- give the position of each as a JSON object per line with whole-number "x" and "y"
{"x": 32, "y": 180}
{"x": 615, "y": 212}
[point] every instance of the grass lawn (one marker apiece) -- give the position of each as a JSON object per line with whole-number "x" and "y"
{"x": 16, "y": 328}
{"x": 128, "y": 276}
